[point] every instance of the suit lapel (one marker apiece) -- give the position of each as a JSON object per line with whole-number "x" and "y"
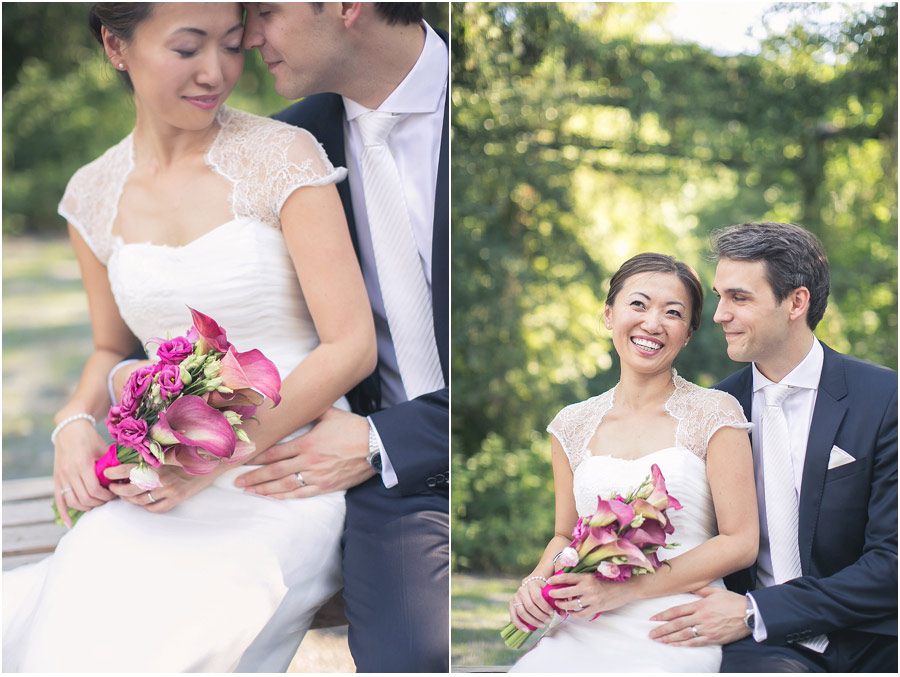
{"x": 828, "y": 414}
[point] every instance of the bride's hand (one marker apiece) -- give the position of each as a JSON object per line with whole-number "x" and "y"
{"x": 587, "y": 596}
{"x": 75, "y": 484}
{"x": 176, "y": 486}
{"x": 529, "y": 606}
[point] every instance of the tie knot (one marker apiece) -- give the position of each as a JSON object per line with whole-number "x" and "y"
{"x": 775, "y": 394}
{"x": 374, "y": 126}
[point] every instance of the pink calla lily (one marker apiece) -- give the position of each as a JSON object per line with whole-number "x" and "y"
{"x": 250, "y": 370}
{"x": 241, "y": 451}
{"x": 593, "y": 539}
{"x": 245, "y": 398}
{"x": 659, "y": 497}
{"x": 609, "y": 511}
{"x": 649, "y": 533}
{"x": 211, "y": 335}
{"x": 649, "y": 512}
{"x": 191, "y": 422}
{"x": 193, "y": 460}
{"x": 619, "y": 548}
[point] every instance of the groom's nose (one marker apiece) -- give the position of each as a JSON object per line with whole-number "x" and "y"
{"x": 722, "y": 313}
{"x": 253, "y": 34}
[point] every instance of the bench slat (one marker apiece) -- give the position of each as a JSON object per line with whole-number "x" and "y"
{"x": 22, "y": 540}
{"x": 13, "y": 561}
{"x": 32, "y": 487}
{"x": 32, "y": 511}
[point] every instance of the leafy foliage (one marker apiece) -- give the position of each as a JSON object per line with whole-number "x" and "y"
{"x": 578, "y": 142}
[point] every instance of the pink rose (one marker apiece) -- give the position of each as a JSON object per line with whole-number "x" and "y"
{"x": 114, "y": 417}
{"x": 169, "y": 380}
{"x": 108, "y": 460}
{"x": 130, "y": 432}
{"x": 138, "y": 382}
{"x": 174, "y": 350}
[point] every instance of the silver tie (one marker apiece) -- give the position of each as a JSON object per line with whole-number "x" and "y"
{"x": 782, "y": 501}
{"x": 404, "y": 289}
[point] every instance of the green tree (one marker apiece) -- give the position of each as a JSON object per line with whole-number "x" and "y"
{"x": 578, "y": 142}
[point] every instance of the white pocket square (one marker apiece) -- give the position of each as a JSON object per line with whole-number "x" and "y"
{"x": 838, "y": 457}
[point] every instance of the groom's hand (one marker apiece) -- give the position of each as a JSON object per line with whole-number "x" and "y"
{"x": 718, "y": 618}
{"x": 330, "y": 457}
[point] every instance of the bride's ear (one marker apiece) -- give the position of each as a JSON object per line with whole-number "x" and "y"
{"x": 607, "y": 317}
{"x": 113, "y": 47}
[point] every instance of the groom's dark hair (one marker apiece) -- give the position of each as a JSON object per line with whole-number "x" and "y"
{"x": 793, "y": 257}
{"x": 393, "y": 12}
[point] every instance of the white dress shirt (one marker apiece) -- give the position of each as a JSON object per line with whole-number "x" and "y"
{"x": 798, "y": 410}
{"x": 415, "y": 142}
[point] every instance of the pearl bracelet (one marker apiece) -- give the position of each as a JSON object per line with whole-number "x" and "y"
{"x": 66, "y": 421}
{"x": 533, "y": 578}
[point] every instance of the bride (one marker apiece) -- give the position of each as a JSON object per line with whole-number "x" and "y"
{"x": 236, "y": 216}
{"x": 606, "y": 444}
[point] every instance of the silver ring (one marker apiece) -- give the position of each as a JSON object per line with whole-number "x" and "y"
{"x": 694, "y": 631}
{"x": 300, "y": 479}
{"x": 518, "y": 604}
{"x": 150, "y": 496}
{"x": 580, "y": 605}
{"x": 65, "y": 491}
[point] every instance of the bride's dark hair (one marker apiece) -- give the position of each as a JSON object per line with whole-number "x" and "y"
{"x": 120, "y": 19}
{"x": 650, "y": 262}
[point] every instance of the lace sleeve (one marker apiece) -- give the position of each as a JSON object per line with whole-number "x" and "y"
{"x": 726, "y": 412}
{"x": 92, "y": 195}
{"x": 267, "y": 160}
{"x": 575, "y": 425}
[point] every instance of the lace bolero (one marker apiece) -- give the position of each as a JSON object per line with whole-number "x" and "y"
{"x": 265, "y": 160}
{"x": 699, "y": 411}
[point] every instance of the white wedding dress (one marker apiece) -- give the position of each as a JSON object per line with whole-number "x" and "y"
{"x": 617, "y": 640}
{"x": 226, "y": 580}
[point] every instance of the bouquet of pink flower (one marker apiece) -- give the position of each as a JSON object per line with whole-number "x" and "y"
{"x": 187, "y": 409}
{"x": 617, "y": 542}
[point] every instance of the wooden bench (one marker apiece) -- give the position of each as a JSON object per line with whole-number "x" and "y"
{"x": 30, "y": 534}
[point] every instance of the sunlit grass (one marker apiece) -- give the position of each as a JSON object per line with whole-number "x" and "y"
{"x": 478, "y": 611}
{"x": 46, "y": 338}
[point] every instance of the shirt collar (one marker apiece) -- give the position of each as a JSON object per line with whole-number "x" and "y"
{"x": 807, "y": 374}
{"x": 420, "y": 91}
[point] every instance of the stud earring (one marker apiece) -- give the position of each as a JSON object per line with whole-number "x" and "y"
{"x": 121, "y": 66}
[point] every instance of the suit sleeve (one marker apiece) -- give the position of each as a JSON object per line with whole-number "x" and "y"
{"x": 862, "y": 595}
{"x": 415, "y": 435}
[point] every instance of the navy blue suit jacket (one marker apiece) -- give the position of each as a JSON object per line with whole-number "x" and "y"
{"x": 415, "y": 433}
{"x": 848, "y": 515}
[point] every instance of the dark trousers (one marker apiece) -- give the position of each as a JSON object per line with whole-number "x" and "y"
{"x": 396, "y": 587}
{"x": 848, "y": 651}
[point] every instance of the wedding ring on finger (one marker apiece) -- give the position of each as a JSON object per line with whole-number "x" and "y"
{"x": 518, "y": 604}
{"x": 150, "y": 496}
{"x": 580, "y": 605}
{"x": 300, "y": 479}
{"x": 64, "y": 491}
{"x": 694, "y": 631}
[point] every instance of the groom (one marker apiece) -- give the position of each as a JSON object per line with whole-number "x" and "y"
{"x": 348, "y": 60}
{"x": 822, "y": 595}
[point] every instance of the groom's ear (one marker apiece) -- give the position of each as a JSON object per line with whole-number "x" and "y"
{"x": 350, "y": 12}
{"x": 799, "y": 303}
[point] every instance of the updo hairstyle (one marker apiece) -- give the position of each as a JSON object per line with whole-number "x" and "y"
{"x": 121, "y": 19}
{"x": 649, "y": 262}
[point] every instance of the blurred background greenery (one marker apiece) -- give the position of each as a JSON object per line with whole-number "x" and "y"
{"x": 63, "y": 105}
{"x": 582, "y": 136}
